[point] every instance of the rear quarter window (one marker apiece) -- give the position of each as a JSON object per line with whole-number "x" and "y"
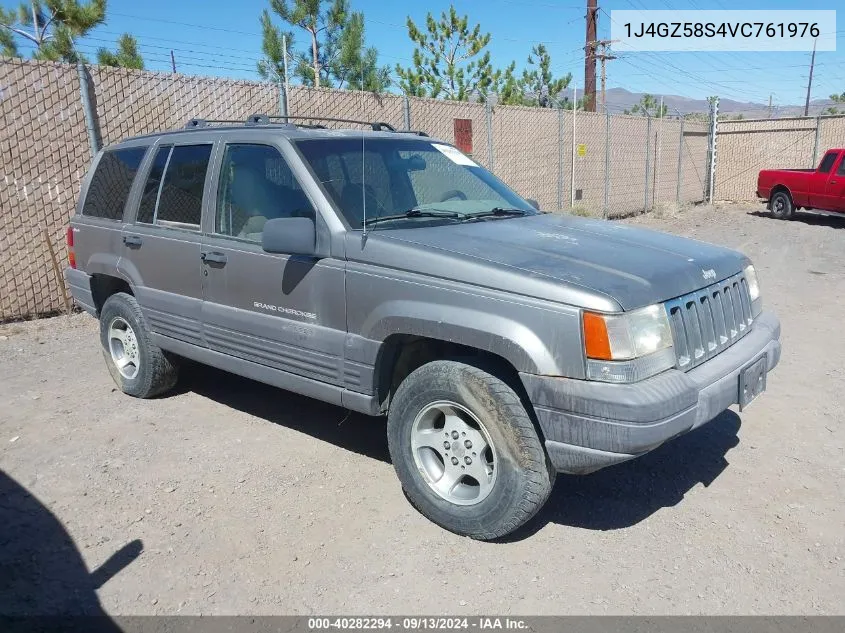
{"x": 111, "y": 183}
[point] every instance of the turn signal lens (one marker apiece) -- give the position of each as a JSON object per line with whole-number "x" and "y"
{"x": 596, "y": 340}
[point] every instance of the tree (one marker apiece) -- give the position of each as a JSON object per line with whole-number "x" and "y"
{"x": 271, "y": 66}
{"x": 509, "y": 89}
{"x": 648, "y": 106}
{"x": 837, "y": 98}
{"x": 449, "y": 59}
{"x": 52, "y": 26}
{"x": 126, "y": 56}
{"x": 543, "y": 88}
{"x": 336, "y": 55}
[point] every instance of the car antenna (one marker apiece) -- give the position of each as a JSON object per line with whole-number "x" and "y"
{"x": 363, "y": 157}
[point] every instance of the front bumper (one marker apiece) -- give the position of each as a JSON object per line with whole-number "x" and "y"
{"x": 591, "y": 425}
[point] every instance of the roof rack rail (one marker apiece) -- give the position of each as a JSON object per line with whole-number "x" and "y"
{"x": 269, "y": 119}
{"x": 195, "y": 123}
{"x": 378, "y": 126}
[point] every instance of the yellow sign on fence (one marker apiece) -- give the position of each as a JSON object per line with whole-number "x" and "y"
{"x": 582, "y": 149}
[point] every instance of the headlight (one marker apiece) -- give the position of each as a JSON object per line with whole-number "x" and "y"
{"x": 753, "y": 289}
{"x": 628, "y": 347}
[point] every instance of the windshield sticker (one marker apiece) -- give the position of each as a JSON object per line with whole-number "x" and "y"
{"x": 454, "y": 155}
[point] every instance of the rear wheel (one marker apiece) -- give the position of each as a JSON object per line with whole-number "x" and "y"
{"x": 136, "y": 365}
{"x": 782, "y": 207}
{"x": 466, "y": 451}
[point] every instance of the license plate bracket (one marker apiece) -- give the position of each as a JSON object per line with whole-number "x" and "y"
{"x": 752, "y": 381}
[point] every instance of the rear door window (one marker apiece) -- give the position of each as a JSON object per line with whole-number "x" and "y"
{"x": 111, "y": 183}
{"x": 174, "y": 188}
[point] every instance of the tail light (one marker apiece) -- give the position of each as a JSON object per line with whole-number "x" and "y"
{"x": 71, "y": 255}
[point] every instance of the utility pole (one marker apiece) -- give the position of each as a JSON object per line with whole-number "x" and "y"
{"x": 810, "y": 82}
{"x": 603, "y": 57}
{"x": 173, "y": 62}
{"x": 590, "y": 57}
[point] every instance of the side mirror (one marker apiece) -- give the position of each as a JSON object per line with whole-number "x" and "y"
{"x": 291, "y": 236}
{"x": 533, "y": 203}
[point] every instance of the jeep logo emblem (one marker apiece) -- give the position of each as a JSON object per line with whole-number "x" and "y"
{"x": 708, "y": 274}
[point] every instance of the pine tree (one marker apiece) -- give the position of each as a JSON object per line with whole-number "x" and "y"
{"x": 449, "y": 59}
{"x": 52, "y": 26}
{"x": 336, "y": 55}
{"x": 539, "y": 81}
{"x": 126, "y": 56}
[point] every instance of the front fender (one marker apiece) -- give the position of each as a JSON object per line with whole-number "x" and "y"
{"x": 532, "y": 340}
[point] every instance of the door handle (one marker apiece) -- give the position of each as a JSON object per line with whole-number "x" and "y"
{"x": 132, "y": 240}
{"x": 211, "y": 257}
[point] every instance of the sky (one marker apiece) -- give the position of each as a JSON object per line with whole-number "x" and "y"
{"x": 222, "y": 38}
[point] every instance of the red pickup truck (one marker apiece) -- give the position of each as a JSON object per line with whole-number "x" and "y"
{"x": 823, "y": 188}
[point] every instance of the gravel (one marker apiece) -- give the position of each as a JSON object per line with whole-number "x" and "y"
{"x": 230, "y": 497}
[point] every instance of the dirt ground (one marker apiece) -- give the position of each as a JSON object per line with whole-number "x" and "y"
{"x": 230, "y": 497}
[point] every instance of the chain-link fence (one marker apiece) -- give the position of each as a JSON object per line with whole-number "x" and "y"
{"x": 588, "y": 163}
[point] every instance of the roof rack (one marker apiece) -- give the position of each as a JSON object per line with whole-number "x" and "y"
{"x": 271, "y": 119}
{"x": 195, "y": 123}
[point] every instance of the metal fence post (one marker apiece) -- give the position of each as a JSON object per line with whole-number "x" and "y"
{"x": 680, "y": 163}
{"x": 711, "y": 169}
{"x": 406, "y": 111}
{"x": 87, "y": 109}
{"x": 560, "y": 158}
{"x": 816, "y": 142}
{"x": 606, "y": 209}
{"x": 283, "y": 101}
{"x": 647, "y": 160}
{"x": 572, "y": 165}
{"x": 488, "y": 112}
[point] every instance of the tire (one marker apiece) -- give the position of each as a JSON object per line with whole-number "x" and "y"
{"x": 447, "y": 403}
{"x": 138, "y": 367}
{"x": 782, "y": 206}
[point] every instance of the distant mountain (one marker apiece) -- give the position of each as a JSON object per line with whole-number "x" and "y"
{"x": 619, "y": 99}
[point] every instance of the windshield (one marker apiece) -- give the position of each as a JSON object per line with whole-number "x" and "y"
{"x": 395, "y": 176}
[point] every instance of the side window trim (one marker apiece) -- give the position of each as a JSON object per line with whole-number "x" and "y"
{"x": 161, "y": 185}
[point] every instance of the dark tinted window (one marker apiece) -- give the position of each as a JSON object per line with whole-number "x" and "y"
{"x": 111, "y": 183}
{"x": 827, "y": 162}
{"x": 256, "y": 185}
{"x": 147, "y": 209}
{"x": 841, "y": 170}
{"x": 180, "y": 199}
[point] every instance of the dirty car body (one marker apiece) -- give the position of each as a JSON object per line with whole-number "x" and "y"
{"x": 616, "y": 339}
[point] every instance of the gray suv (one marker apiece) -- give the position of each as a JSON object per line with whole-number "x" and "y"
{"x": 388, "y": 273}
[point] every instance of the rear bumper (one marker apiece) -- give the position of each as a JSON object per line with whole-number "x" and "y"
{"x": 80, "y": 289}
{"x": 590, "y": 425}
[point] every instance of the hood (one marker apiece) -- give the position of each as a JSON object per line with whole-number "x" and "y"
{"x": 633, "y": 266}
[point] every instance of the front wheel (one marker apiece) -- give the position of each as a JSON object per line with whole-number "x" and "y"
{"x": 782, "y": 207}
{"x": 466, "y": 451}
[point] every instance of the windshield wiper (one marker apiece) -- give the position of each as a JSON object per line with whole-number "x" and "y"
{"x": 496, "y": 212}
{"x": 414, "y": 213}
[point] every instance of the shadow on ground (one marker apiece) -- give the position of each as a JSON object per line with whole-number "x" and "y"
{"x": 614, "y": 498}
{"x": 41, "y": 571}
{"x": 625, "y": 494}
{"x": 352, "y": 431}
{"x": 813, "y": 219}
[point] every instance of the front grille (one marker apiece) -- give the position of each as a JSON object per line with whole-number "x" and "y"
{"x": 706, "y": 322}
